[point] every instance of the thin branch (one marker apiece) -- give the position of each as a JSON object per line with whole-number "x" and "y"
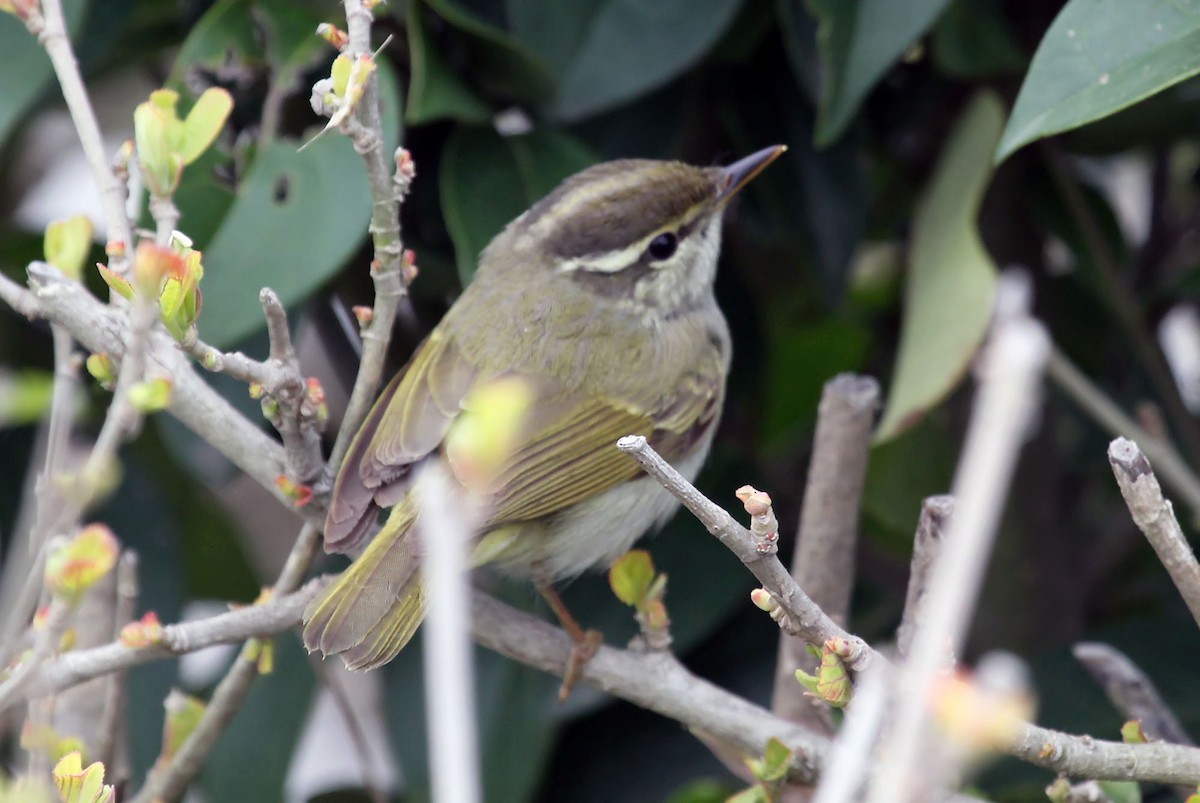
{"x": 169, "y": 784}
{"x": 444, "y": 527}
{"x": 387, "y": 191}
{"x": 927, "y": 546}
{"x": 1130, "y": 691}
{"x": 112, "y": 197}
{"x": 808, "y": 620}
{"x": 171, "y": 781}
{"x": 102, "y": 329}
{"x": 1175, "y": 472}
{"x": 1006, "y": 403}
{"x": 823, "y": 562}
{"x": 32, "y": 668}
{"x": 28, "y": 556}
{"x": 281, "y": 379}
{"x": 653, "y": 680}
{"x": 112, "y": 726}
{"x": 650, "y": 679}
{"x": 21, "y": 300}
{"x": 278, "y": 614}
{"x": 1129, "y": 316}
{"x": 1155, "y": 517}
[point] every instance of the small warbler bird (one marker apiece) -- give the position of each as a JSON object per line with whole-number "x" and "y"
{"x": 600, "y": 300}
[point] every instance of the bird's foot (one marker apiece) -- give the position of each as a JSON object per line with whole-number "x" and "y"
{"x": 583, "y": 650}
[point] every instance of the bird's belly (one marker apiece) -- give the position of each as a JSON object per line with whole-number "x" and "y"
{"x": 595, "y": 532}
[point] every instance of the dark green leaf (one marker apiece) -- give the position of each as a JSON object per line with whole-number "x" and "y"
{"x": 858, "y": 41}
{"x": 1098, "y": 57}
{"x": 799, "y": 31}
{"x": 973, "y": 39}
{"x": 948, "y": 297}
{"x": 225, "y": 30}
{"x": 620, "y": 49}
{"x": 554, "y": 31}
{"x": 27, "y": 70}
{"x": 435, "y": 92}
{"x": 498, "y": 62}
{"x": 800, "y": 361}
{"x": 296, "y": 218}
{"x": 901, "y": 473}
{"x": 487, "y": 180}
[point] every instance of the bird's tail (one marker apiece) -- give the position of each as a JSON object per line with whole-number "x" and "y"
{"x": 371, "y": 611}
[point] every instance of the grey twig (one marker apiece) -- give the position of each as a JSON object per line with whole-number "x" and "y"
{"x": 927, "y": 545}
{"x": 386, "y": 194}
{"x": 170, "y": 782}
{"x": 111, "y": 748}
{"x": 1175, "y": 472}
{"x": 1010, "y": 375}
{"x": 102, "y": 329}
{"x": 809, "y": 620}
{"x": 281, "y": 379}
{"x": 1155, "y": 517}
{"x": 1130, "y": 691}
{"x": 112, "y": 197}
{"x": 271, "y": 618}
{"x": 652, "y": 680}
{"x": 823, "y": 561}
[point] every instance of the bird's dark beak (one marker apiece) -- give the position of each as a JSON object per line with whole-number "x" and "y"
{"x": 738, "y": 174}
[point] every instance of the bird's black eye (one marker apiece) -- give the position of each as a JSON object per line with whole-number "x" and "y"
{"x": 662, "y": 246}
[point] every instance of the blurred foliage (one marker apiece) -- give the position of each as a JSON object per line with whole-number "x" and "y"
{"x": 871, "y": 247}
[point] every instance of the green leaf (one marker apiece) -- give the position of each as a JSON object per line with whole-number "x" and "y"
{"x": 435, "y": 92}
{"x": 67, "y": 244}
{"x": 776, "y": 759}
{"x": 859, "y": 40}
{"x": 487, "y": 180}
{"x": 1098, "y": 57}
{"x": 554, "y": 31}
{"x": 498, "y": 62}
{"x": 973, "y": 39}
{"x": 948, "y": 298}
{"x": 27, "y": 70}
{"x": 204, "y": 122}
{"x": 620, "y": 49}
{"x": 297, "y": 217}
{"x": 24, "y": 396}
{"x": 630, "y": 577}
{"x": 1122, "y": 791}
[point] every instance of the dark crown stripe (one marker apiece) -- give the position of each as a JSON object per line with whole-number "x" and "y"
{"x": 607, "y": 207}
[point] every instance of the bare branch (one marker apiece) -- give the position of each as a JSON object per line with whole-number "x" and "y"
{"x": 652, "y": 680}
{"x": 1155, "y": 517}
{"x": 102, "y": 329}
{"x": 809, "y": 620}
{"x": 1007, "y": 400}
{"x": 927, "y": 546}
{"x": 275, "y": 616}
{"x": 386, "y": 193}
{"x": 171, "y": 781}
{"x": 112, "y": 748}
{"x": 20, "y": 299}
{"x": 1130, "y": 690}
{"x": 827, "y": 541}
{"x": 1175, "y": 472}
{"x": 112, "y": 196}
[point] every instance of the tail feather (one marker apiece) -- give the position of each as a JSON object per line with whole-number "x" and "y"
{"x": 372, "y": 610}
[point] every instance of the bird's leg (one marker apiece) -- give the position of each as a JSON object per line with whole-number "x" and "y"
{"x": 584, "y": 643}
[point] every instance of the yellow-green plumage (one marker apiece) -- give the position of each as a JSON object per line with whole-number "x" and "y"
{"x": 610, "y": 339}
